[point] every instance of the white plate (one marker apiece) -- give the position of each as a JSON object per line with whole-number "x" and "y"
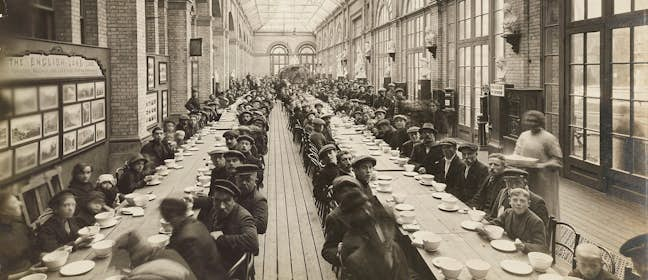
{"x": 550, "y": 276}
{"x": 193, "y": 149}
{"x": 127, "y": 210}
{"x": 384, "y": 177}
{"x": 77, "y": 268}
{"x": 153, "y": 183}
{"x": 411, "y": 227}
{"x": 375, "y": 153}
{"x": 387, "y": 190}
{"x": 162, "y": 231}
{"x": 410, "y": 174}
{"x": 470, "y": 225}
{"x": 187, "y": 154}
{"x": 426, "y": 184}
{"x": 516, "y": 267}
{"x": 178, "y": 166}
{"x": 179, "y": 159}
{"x": 220, "y": 145}
{"x": 439, "y": 260}
{"x": 112, "y": 224}
{"x": 137, "y": 211}
{"x": 503, "y": 245}
{"x": 404, "y": 207}
{"x": 402, "y": 223}
{"x": 444, "y": 207}
{"x": 417, "y": 177}
{"x": 440, "y": 195}
{"x": 393, "y": 158}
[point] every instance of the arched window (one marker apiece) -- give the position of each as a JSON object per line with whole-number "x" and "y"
{"x": 307, "y": 57}
{"x": 278, "y": 58}
{"x": 231, "y": 22}
{"x": 383, "y": 15}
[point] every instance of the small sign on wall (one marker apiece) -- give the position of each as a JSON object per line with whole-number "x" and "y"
{"x": 497, "y": 90}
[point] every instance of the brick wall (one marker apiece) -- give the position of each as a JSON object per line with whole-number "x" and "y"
{"x": 524, "y": 67}
{"x": 152, "y": 28}
{"x": 95, "y": 22}
{"x": 66, "y": 22}
{"x": 162, "y": 27}
{"x": 179, "y": 29}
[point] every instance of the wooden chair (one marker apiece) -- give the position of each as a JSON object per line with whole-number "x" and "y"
{"x": 628, "y": 274}
{"x": 246, "y": 265}
{"x": 563, "y": 240}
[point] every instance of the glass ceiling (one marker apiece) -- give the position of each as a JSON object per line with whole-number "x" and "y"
{"x": 288, "y": 15}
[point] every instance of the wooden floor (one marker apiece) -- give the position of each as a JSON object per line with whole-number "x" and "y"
{"x": 291, "y": 247}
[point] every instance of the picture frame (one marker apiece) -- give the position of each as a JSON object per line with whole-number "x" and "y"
{"x": 100, "y": 89}
{"x": 69, "y": 93}
{"x": 4, "y": 134}
{"x": 165, "y": 100}
{"x": 151, "y": 109}
{"x": 6, "y": 164}
{"x": 50, "y": 123}
{"x": 69, "y": 142}
{"x": 48, "y": 97}
{"x": 150, "y": 72}
{"x": 25, "y": 100}
{"x": 98, "y": 110}
{"x": 85, "y": 91}
{"x": 162, "y": 73}
{"x": 100, "y": 131}
{"x": 85, "y": 136}
{"x": 26, "y": 157}
{"x": 86, "y": 116}
{"x": 25, "y": 129}
{"x": 71, "y": 116}
{"x": 49, "y": 149}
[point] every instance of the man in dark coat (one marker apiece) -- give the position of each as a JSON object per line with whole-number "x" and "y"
{"x": 388, "y": 133}
{"x": 362, "y": 168}
{"x": 408, "y": 146}
{"x": 317, "y": 137}
{"x": 327, "y": 128}
{"x": 400, "y": 135}
{"x": 251, "y": 199}
{"x": 489, "y": 190}
{"x": 133, "y": 175}
{"x": 425, "y": 154}
{"x": 192, "y": 241}
{"x": 344, "y": 161}
{"x": 230, "y": 139}
{"x": 450, "y": 169}
{"x": 157, "y": 149}
{"x": 474, "y": 174}
{"x": 184, "y": 124}
{"x": 325, "y": 176}
{"x": 233, "y": 159}
{"x": 511, "y": 176}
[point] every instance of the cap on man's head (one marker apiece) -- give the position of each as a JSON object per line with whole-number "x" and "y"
{"x": 246, "y": 112}
{"x": 184, "y": 117}
{"x": 381, "y": 111}
{"x": 353, "y": 201}
{"x": 382, "y": 89}
{"x": 231, "y": 134}
{"x": 234, "y": 153}
{"x": 318, "y": 121}
{"x": 244, "y": 169}
{"x": 468, "y": 147}
{"x": 448, "y": 142}
{"x": 227, "y": 187}
{"x": 218, "y": 151}
{"x": 325, "y": 149}
{"x": 514, "y": 172}
{"x": 413, "y": 129}
{"x": 242, "y": 128}
{"x": 635, "y": 247}
{"x": 398, "y": 89}
{"x": 401, "y": 117}
{"x": 344, "y": 181}
{"x": 428, "y": 127}
{"x": 245, "y": 138}
{"x": 319, "y": 104}
{"x": 383, "y": 122}
{"x": 362, "y": 159}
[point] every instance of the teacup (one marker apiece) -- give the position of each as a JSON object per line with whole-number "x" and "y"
{"x": 398, "y": 197}
{"x": 56, "y": 259}
{"x": 494, "y": 232}
{"x": 166, "y": 226}
{"x": 103, "y": 248}
{"x": 439, "y": 187}
{"x": 409, "y": 167}
{"x": 384, "y": 185}
{"x": 402, "y": 162}
{"x": 169, "y": 162}
{"x": 105, "y": 218}
{"x": 427, "y": 179}
{"x": 204, "y": 180}
{"x": 88, "y": 231}
{"x": 450, "y": 201}
{"x": 478, "y": 268}
{"x": 451, "y": 269}
{"x": 407, "y": 217}
{"x": 476, "y": 215}
{"x": 158, "y": 240}
{"x": 431, "y": 242}
{"x": 395, "y": 153}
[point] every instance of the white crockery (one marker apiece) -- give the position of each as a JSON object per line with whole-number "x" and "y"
{"x": 409, "y": 167}
{"x": 478, "y": 268}
{"x": 494, "y": 232}
{"x": 407, "y": 217}
{"x": 158, "y": 240}
{"x": 398, "y": 197}
{"x": 476, "y": 215}
{"x": 427, "y": 179}
{"x": 103, "y": 248}
{"x": 54, "y": 260}
{"x": 451, "y": 268}
{"x": 540, "y": 261}
{"x": 105, "y": 218}
{"x": 88, "y": 231}
{"x": 35, "y": 276}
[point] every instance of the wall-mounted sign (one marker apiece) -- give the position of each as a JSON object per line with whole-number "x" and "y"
{"x": 497, "y": 89}
{"x": 40, "y": 66}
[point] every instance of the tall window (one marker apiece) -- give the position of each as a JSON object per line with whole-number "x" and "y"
{"x": 551, "y": 67}
{"x": 383, "y": 16}
{"x": 413, "y": 5}
{"x": 43, "y": 20}
{"x": 278, "y": 58}
{"x": 383, "y": 60}
{"x": 465, "y": 85}
{"x": 452, "y": 35}
{"x": 415, "y": 51}
{"x": 307, "y": 57}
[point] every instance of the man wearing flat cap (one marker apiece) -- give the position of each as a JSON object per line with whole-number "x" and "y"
{"x": 217, "y": 157}
{"x": 450, "y": 169}
{"x": 400, "y": 134}
{"x": 387, "y": 133}
{"x": 408, "y": 146}
{"x": 324, "y": 177}
{"x": 363, "y": 167}
{"x": 327, "y": 127}
{"x": 245, "y": 144}
{"x": 233, "y": 158}
{"x": 516, "y": 178}
{"x": 316, "y": 137}
{"x": 245, "y": 117}
{"x": 426, "y": 153}
{"x": 636, "y": 248}
{"x": 475, "y": 172}
{"x": 230, "y": 139}
{"x": 250, "y": 198}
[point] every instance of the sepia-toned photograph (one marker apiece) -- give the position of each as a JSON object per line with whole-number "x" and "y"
{"x": 162, "y": 72}
{"x": 72, "y": 116}
{"x": 150, "y": 72}
{"x": 69, "y": 142}
{"x": 85, "y": 91}
{"x": 25, "y": 100}
{"x": 100, "y": 131}
{"x": 25, "y": 129}
{"x": 85, "y": 136}
{"x": 4, "y": 134}
{"x": 49, "y": 149}
{"x": 6, "y": 164}
{"x": 100, "y": 89}
{"x": 86, "y": 117}
{"x": 98, "y": 110}
{"x": 26, "y": 157}
{"x": 50, "y": 123}
{"x": 48, "y": 97}
{"x": 69, "y": 93}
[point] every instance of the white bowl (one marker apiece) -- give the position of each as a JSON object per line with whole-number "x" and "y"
{"x": 439, "y": 187}
{"x": 395, "y": 153}
{"x": 103, "y": 248}
{"x": 431, "y": 242}
{"x": 476, "y": 215}
{"x": 88, "y": 231}
{"x": 540, "y": 261}
{"x": 35, "y": 276}
{"x": 158, "y": 240}
{"x": 478, "y": 268}
{"x": 56, "y": 259}
{"x": 169, "y": 162}
{"x": 402, "y": 161}
{"x": 451, "y": 268}
{"x": 398, "y": 197}
{"x": 427, "y": 179}
{"x": 407, "y": 217}
{"x": 165, "y": 225}
{"x": 408, "y": 167}
{"x": 105, "y": 218}
{"x": 494, "y": 232}
{"x": 450, "y": 201}
{"x": 204, "y": 180}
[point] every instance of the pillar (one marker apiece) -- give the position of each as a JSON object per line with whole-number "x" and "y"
{"x": 94, "y": 20}
{"x": 162, "y": 27}
{"x": 179, "y": 30}
{"x": 205, "y": 62}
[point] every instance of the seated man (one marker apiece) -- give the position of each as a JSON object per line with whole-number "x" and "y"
{"x": 344, "y": 160}
{"x": 324, "y": 177}
{"x": 489, "y": 190}
{"x": 635, "y": 248}
{"x": 157, "y": 149}
{"x": 363, "y": 168}
{"x": 192, "y": 241}
{"x": 475, "y": 173}
{"x": 450, "y": 169}
{"x": 251, "y": 199}
{"x": 233, "y": 159}
{"x": 514, "y": 178}
{"x": 408, "y": 146}
{"x": 217, "y": 157}
{"x": 400, "y": 135}
{"x": 520, "y": 224}
{"x": 386, "y": 132}
{"x": 317, "y": 137}
{"x": 230, "y": 139}
{"x": 245, "y": 144}
{"x": 425, "y": 154}
{"x": 589, "y": 264}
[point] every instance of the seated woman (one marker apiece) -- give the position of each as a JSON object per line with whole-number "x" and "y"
{"x": 19, "y": 254}
{"x": 107, "y": 184}
{"x": 589, "y": 264}
{"x": 90, "y": 205}
{"x": 520, "y": 223}
{"x": 133, "y": 177}
{"x": 61, "y": 228}
{"x": 80, "y": 184}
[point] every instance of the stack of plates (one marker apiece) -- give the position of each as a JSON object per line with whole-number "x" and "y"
{"x": 520, "y": 161}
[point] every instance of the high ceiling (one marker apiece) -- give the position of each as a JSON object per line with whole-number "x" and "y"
{"x": 288, "y": 15}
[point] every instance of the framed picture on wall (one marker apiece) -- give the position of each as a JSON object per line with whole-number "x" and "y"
{"x": 100, "y": 89}
{"x": 25, "y": 100}
{"x": 98, "y": 110}
{"x": 26, "y": 157}
{"x": 49, "y": 149}
{"x": 162, "y": 72}
{"x": 25, "y": 129}
{"x": 4, "y": 134}
{"x": 165, "y": 98}
{"x": 48, "y": 97}
{"x": 69, "y": 142}
{"x": 100, "y": 131}
{"x": 85, "y": 91}
{"x": 71, "y": 116}
{"x": 50, "y": 123}
{"x": 85, "y": 113}
{"x": 150, "y": 72}
{"x": 85, "y": 136}
{"x": 69, "y": 93}
{"x": 6, "y": 164}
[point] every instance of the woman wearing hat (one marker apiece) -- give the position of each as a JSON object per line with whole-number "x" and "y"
{"x": 61, "y": 228}
{"x": 133, "y": 176}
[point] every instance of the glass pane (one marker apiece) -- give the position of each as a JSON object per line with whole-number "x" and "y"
{"x": 577, "y": 111}
{"x": 577, "y": 142}
{"x": 551, "y": 69}
{"x": 553, "y": 98}
{"x": 468, "y": 28}
{"x": 468, "y": 60}
{"x": 485, "y": 56}
{"x": 593, "y": 81}
{"x": 578, "y": 10}
{"x": 478, "y": 7}
{"x": 640, "y": 163}
{"x": 577, "y": 80}
{"x": 621, "y": 45}
{"x": 593, "y": 8}
{"x": 641, "y": 5}
{"x": 484, "y": 26}
{"x": 577, "y": 48}
{"x": 621, "y": 147}
{"x": 641, "y": 43}
{"x": 552, "y": 40}
{"x": 593, "y": 49}
{"x": 499, "y": 18}
{"x": 592, "y": 153}
{"x": 499, "y": 4}
{"x": 620, "y": 117}
{"x": 478, "y": 29}
{"x": 552, "y": 14}
{"x": 621, "y": 81}
{"x": 621, "y": 6}
{"x": 593, "y": 113}
{"x": 640, "y": 120}
{"x": 640, "y": 82}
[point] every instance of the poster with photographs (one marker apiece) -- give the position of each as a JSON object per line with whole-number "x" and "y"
{"x": 50, "y": 123}
{"x": 69, "y": 93}
{"x": 162, "y": 72}
{"x": 26, "y": 157}
{"x": 49, "y": 149}
{"x": 85, "y": 136}
{"x": 25, "y": 129}
{"x": 85, "y": 91}
{"x": 100, "y": 89}
{"x": 100, "y": 131}
{"x": 71, "y": 116}
{"x": 5, "y": 164}
{"x": 98, "y": 110}
{"x": 85, "y": 113}
{"x": 151, "y": 109}
{"x": 165, "y": 100}
{"x": 25, "y": 100}
{"x": 69, "y": 142}
{"x": 150, "y": 72}
{"x": 4, "y": 134}
{"x": 48, "y": 97}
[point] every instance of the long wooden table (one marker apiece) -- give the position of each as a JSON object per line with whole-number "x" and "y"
{"x": 458, "y": 243}
{"x": 172, "y": 186}
{"x": 354, "y": 139}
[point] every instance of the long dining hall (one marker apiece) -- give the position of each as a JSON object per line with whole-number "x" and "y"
{"x": 323, "y": 139}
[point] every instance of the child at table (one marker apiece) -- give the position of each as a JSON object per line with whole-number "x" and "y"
{"x": 90, "y": 205}
{"x": 107, "y": 184}
{"x": 589, "y": 264}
